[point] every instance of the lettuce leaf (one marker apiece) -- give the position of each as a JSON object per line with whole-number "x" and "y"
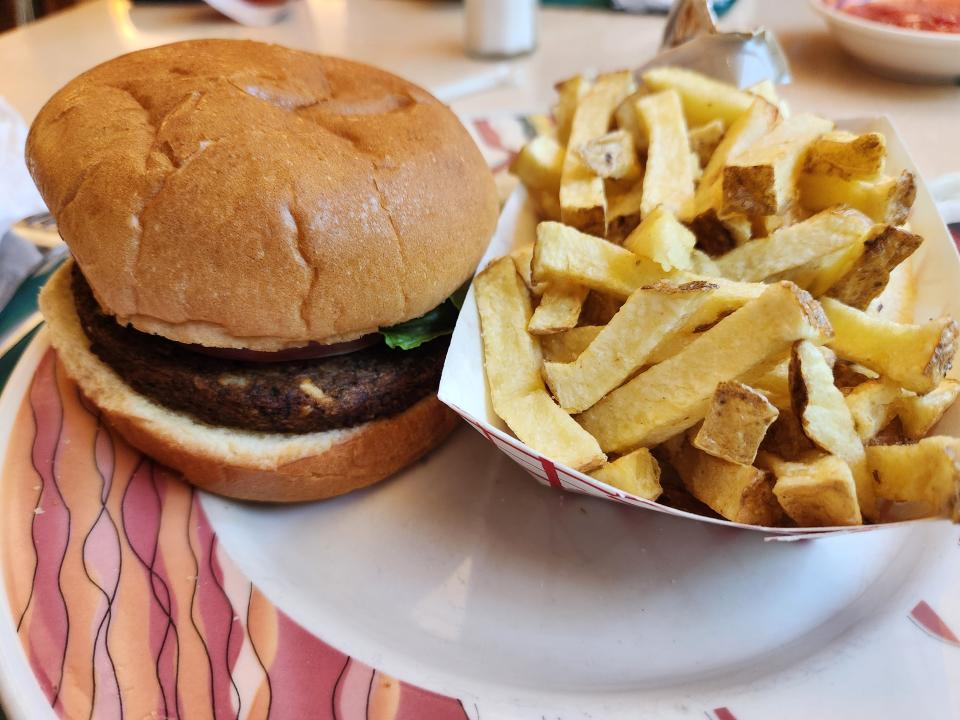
{"x": 438, "y": 322}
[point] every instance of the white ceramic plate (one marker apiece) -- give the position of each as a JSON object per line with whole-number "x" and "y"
{"x": 916, "y": 55}
{"x": 459, "y": 576}
{"x": 127, "y": 595}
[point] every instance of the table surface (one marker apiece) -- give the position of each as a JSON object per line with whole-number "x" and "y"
{"x": 422, "y": 40}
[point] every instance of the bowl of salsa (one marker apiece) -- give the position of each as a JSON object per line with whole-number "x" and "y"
{"x": 917, "y": 40}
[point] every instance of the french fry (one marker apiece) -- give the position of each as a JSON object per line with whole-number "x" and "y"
{"x": 512, "y": 362}
{"x": 599, "y": 309}
{"x": 817, "y": 491}
{"x": 704, "y": 139}
{"x": 766, "y": 90}
{"x": 626, "y": 117}
{"x": 727, "y": 298}
{"x": 704, "y": 99}
{"x": 668, "y": 175}
{"x": 569, "y": 94}
{"x": 663, "y": 239}
{"x": 539, "y": 164}
{"x": 559, "y": 308}
{"x": 703, "y": 264}
{"x": 623, "y": 346}
{"x": 898, "y": 300}
{"x": 795, "y": 245}
{"x": 739, "y": 493}
{"x": 822, "y": 273}
{"x": 563, "y": 254}
{"x": 919, "y": 413}
{"x": 566, "y": 347}
{"x": 774, "y": 382}
{"x": 736, "y": 423}
{"x": 546, "y": 203}
{"x": 756, "y": 122}
{"x": 523, "y": 259}
{"x": 923, "y": 354}
{"x": 872, "y": 406}
{"x": 583, "y": 202}
{"x": 624, "y": 199}
{"x": 762, "y": 180}
{"x": 870, "y": 273}
{"x": 926, "y": 472}
{"x": 786, "y": 438}
{"x": 611, "y": 155}
{"x": 825, "y": 418}
{"x": 848, "y": 156}
{"x": 637, "y": 473}
{"x": 675, "y": 394}
{"x": 717, "y": 235}
{"x": 887, "y": 200}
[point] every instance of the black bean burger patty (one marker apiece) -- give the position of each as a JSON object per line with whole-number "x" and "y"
{"x": 289, "y": 397}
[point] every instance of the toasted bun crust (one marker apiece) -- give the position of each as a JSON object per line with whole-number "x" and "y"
{"x": 238, "y": 463}
{"x": 238, "y": 194}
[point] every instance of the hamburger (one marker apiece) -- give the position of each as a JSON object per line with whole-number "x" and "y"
{"x": 266, "y": 251}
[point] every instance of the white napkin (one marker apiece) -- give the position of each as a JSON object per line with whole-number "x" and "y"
{"x": 18, "y": 199}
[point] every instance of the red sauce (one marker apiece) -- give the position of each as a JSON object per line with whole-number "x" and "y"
{"x": 931, "y": 15}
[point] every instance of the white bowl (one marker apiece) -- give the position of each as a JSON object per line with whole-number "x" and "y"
{"x": 917, "y": 55}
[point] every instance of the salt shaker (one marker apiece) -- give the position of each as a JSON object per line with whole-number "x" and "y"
{"x": 500, "y": 28}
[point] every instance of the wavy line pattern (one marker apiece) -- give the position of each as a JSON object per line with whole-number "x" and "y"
{"x": 128, "y": 607}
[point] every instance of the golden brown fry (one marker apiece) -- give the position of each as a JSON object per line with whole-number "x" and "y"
{"x": 727, "y": 298}
{"x": 740, "y": 493}
{"x": 872, "y": 406}
{"x": 569, "y": 94}
{"x": 523, "y": 259}
{"x": 599, "y": 309}
{"x": 637, "y": 473}
{"x": 762, "y": 180}
{"x": 825, "y": 418}
{"x": 817, "y": 491}
{"x": 847, "y": 156}
{"x": 611, "y": 155}
{"x": 749, "y": 127}
{"x": 663, "y": 239}
{"x": 624, "y": 198}
{"x": 566, "y": 347}
{"x": 704, "y": 99}
{"x": 512, "y": 362}
{"x": 898, "y": 300}
{"x": 924, "y": 352}
{"x": 926, "y": 473}
{"x": 795, "y": 245}
{"x": 887, "y": 200}
{"x": 626, "y": 117}
{"x": 583, "y": 202}
{"x": 868, "y": 276}
{"x": 539, "y": 164}
{"x": 717, "y": 235}
{"x": 675, "y": 394}
{"x": 736, "y": 423}
{"x": 919, "y": 413}
{"x": 559, "y": 308}
{"x": 563, "y": 254}
{"x": 668, "y": 175}
{"x": 624, "y": 345}
{"x": 704, "y": 139}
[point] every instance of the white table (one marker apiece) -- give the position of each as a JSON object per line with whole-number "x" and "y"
{"x": 423, "y": 41}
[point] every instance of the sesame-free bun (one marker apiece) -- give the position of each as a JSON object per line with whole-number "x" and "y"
{"x": 237, "y": 194}
{"x": 269, "y": 467}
